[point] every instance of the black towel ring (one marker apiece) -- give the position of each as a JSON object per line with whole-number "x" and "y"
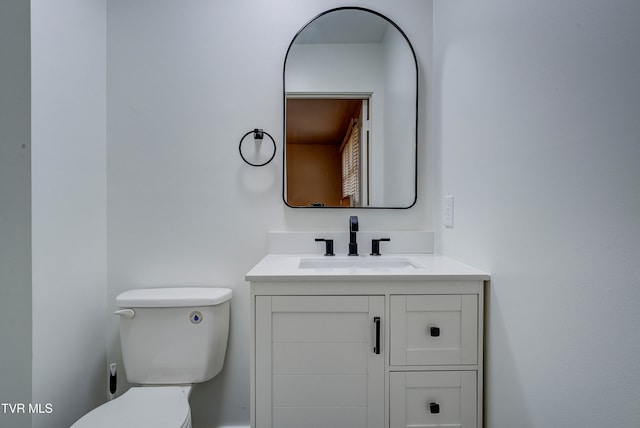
{"x": 258, "y": 134}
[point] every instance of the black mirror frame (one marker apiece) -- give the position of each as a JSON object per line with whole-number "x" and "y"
{"x": 284, "y": 109}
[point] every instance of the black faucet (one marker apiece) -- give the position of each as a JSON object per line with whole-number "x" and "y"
{"x": 353, "y": 228}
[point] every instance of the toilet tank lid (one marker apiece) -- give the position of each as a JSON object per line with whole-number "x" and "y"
{"x": 176, "y": 297}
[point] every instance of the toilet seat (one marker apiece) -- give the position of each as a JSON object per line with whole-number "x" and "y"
{"x": 155, "y": 406}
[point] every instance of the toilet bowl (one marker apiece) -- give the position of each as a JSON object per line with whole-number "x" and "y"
{"x": 140, "y": 407}
{"x": 171, "y": 339}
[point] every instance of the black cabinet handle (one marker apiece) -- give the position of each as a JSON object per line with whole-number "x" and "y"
{"x": 434, "y": 331}
{"x": 376, "y": 348}
{"x": 328, "y": 246}
{"x": 434, "y": 408}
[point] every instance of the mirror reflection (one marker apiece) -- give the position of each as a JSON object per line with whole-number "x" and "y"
{"x": 350, "y": 83}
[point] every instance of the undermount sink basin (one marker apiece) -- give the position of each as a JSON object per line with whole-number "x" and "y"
{"x": 357, "y": 263}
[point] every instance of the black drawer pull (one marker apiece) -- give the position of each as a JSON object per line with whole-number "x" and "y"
{"x": 434, "y": 408}
{"x": 434, "y": 331}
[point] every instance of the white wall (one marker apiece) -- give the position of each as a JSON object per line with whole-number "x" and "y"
{"x": 186, "y": 79}
{"x": 399, "y": 120}
{"x": 538, "y": 140}
{"x": 68, "y": 55}
{"x": 15, "y": 211}
{"x": 335, "y": 68}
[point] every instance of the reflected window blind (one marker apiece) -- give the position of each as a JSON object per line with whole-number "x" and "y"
{"x": 351, "y": 163}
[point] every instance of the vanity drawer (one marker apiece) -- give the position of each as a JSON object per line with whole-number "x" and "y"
{"x": 433, "y": 329}
{"x": 433, "y": 399}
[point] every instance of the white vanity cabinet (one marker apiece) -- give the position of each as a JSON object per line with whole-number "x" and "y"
{"x": 319, "y": 361}
{"x": 430, "y": 330}
{"x": 441, "y": 331}
{"x": 434, "y": 399}
{"x": 366, "y": 350}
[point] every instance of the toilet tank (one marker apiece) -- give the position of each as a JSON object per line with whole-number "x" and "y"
{"x": 173, "y": 335}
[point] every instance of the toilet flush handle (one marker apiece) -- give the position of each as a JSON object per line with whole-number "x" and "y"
{"x": 127, "y": 313}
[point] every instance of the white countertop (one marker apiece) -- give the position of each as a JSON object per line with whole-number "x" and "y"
{"x": 286, "y": 267}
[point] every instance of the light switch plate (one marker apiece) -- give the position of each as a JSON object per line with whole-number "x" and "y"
{"x": 448, "y": 211}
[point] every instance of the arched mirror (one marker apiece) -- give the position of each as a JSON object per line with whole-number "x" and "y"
{"x": 350, "y": 113}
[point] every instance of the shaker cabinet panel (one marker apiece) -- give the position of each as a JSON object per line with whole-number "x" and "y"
{"x": 319, "y": 417}
{"x": 315, "y": 362}
{"x": 433, "y": 329}
{"x": 319, "y": 327}
{"x": 433, "y": 399}
{"x": 319, "y": 391}
{"x": 320, "y": 358}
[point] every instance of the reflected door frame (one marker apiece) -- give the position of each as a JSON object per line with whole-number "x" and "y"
{"x": 366, "y": 135}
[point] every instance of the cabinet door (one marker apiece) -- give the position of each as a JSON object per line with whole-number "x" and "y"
{"x": 433, "y": 399}
{"x": 315, "y": 362}
{"x": 434, "y": 330}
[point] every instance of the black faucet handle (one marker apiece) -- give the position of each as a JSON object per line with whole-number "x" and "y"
{"x": 375, "y": 245}
{"x": 328, "y": 251}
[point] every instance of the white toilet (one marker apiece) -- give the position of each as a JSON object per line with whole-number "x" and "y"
{"x": 171, "y": 338}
